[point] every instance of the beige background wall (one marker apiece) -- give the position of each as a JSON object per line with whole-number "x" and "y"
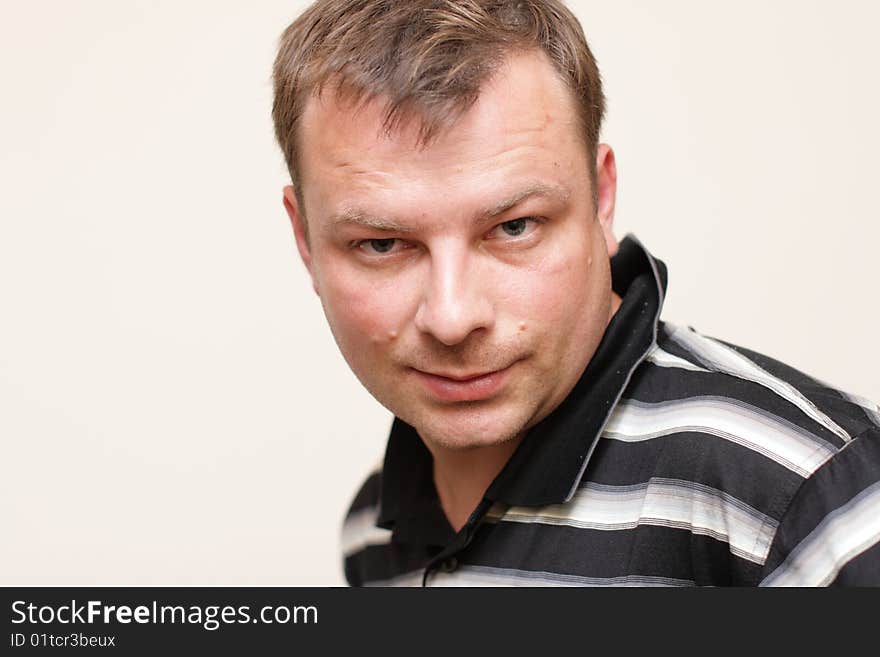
{"x": 173, "y": 409}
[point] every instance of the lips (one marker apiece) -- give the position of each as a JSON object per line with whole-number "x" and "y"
{"x": 451, "y": 387}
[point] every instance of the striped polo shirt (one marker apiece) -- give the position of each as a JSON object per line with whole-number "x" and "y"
{"x": 676, "y": 460}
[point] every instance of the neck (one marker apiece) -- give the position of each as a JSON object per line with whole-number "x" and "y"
{"x": 462, "y": 476}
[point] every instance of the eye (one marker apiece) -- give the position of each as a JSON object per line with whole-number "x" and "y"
{"x": 381, "y": 246}
{"x": 376, "y": 247}
{"x": 516, "y": 227}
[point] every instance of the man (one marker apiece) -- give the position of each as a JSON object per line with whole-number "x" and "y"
{"x": 454, "y": 208}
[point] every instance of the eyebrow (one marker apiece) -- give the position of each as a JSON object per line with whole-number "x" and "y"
{"x": 355, "y": 216}
{"x": 536, "y": 189}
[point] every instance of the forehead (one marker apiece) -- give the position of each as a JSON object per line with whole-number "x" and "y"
{"x": 524, "y": 123}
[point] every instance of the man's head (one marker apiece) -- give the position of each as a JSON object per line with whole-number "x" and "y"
{"x": 454, "y": 210}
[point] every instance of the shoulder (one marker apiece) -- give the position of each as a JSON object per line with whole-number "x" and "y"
{"x": 787, "y": 448}
{"x": 830, "y": 532}
{"x": 359, "y": 524}
{"x": 694, "y": 383}
{"x": 738, "y": 372}
{"x": 359, "y": 527}
{"x": 692, "y": 374}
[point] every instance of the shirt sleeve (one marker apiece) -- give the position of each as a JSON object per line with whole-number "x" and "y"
{"x": 830, "y": 533}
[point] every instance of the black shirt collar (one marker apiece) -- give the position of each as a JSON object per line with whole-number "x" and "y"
{"x": 550, "y": 461}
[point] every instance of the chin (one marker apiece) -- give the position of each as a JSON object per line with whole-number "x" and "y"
{"x": 470, "y": 429}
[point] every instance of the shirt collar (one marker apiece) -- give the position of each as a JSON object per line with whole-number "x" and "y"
{"x": 548, "y": 465}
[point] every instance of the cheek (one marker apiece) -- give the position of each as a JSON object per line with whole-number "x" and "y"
{"x": 361, "y": 309}
{"x": 564, "y": 298}
{"x": 555, "y": 287}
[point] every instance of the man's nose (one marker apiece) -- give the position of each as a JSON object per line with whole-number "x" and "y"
{"x": 454, "y": 303}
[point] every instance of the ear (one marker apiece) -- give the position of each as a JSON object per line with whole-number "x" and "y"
{"x": 606, "y": 186}
{"x": 299, "y": 232}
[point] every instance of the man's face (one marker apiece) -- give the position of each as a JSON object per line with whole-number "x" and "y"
{"x": 466, "y": 283}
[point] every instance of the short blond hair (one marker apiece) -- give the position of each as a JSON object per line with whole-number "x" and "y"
{"x": 427, "y": 58}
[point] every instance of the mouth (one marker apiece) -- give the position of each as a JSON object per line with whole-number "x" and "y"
{"x": 460, "y": 387}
